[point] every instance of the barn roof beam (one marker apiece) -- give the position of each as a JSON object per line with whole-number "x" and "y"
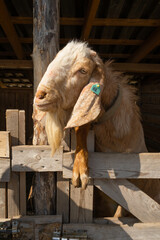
{"x": 92, "y": 9}
{"x": 16, "y": 64}
{"x": 8, "y": 28}
{"x": 148, "y": 45}
{"x": 124, "y": 67}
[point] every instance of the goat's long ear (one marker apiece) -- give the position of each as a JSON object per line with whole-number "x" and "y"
{"x": 88, "y": 105}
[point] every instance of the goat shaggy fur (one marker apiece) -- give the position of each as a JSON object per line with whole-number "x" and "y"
{"x": 61, "y": 94}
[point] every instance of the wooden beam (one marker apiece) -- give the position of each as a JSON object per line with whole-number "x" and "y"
{"x": 36, "y": 158}
{"x": 131, "y": 198}
{"x": 117, "y": 165}
{"x": 22, "y": 20}
{"x": 89, "y": 19}
{"x": 108, "y": 41}
{"x": 6, "y": 23}
{"x": 126, "y": 55}
{"x": 125, "y": 22}
{"x": 149, "y": 44}
{"x": 15, "y": 64}
{"x": 22, "y": 40}
{"x": 137, "y": 67}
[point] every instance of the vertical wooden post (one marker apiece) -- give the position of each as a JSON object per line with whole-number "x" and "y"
{"x": 12, "y": 119}
{"x": 81, "y": 201}
{"x": 46, "y": 45}
{"x": 22, "y": 141}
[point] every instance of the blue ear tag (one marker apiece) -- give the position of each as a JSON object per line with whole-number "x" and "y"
{"x": 96, "y": 89}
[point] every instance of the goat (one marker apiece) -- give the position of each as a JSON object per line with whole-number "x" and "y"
{"x": 78, "y": 91}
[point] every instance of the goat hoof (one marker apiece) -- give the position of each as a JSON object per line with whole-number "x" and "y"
{"x": 84, "y": 180}
{"x": 75, "y": 181}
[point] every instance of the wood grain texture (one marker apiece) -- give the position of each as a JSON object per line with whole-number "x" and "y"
{"x": 63, "y": 197}
{"x": 101, "y": 232}
{"x": 22, "y": 140}
{"x": 12, "y": 125}
{"x": 115, "y": 165}
{"x": 36, "y": 158}
{"x": 3, "y": 200}
{"x": 131, "y": 198}
{"x": 4, "y": 144}
{"x": 4, "y": 169}
{"x": 81, "y": 201}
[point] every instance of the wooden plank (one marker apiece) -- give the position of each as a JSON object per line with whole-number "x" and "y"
{"x": 117, "y": 165}
{"x": 138, "y": 68}
{"x": 116, "y": 221}
{"x": 81, "y": 204}
{"x": 63, "y": 197}
{"x": 13, "y": 195}
{"x": 81, "y": 201}
{"x": 101, "y": 232}
{"x": 16, "y": 64}
{"x": 4, "y": 144}
{"x": 3, "y": 200}
{"x": 22, "y": 20}
{"x": 12, "y": 124}
{"x": 131, "y": 198}
{"x": 22, "y": 40}
{"x": 128, "y": 22}
{"x": 10, "y": 31}
{"x": 22, "y": 140}
{"x": 36, "y": 158}
{"x": 150, "y": 43}
{"x": 92, "y": 9}
{"x": 108, "y": 41}
{"x": 4, "y": 169}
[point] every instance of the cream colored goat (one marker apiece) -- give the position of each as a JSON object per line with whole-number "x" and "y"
{"x": 66, "y": 93}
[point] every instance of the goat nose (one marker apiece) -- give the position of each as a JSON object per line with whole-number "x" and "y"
{"x": 40, "y": 94}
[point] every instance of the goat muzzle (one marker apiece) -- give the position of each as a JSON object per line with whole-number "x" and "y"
{"x": 41, "y": 94}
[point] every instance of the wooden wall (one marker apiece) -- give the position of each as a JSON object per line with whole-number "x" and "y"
{"x": 150, "y": 100}
{"x": 21, "y": 99}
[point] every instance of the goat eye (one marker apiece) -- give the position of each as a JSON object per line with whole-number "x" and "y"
{"x": 83, "y": 71}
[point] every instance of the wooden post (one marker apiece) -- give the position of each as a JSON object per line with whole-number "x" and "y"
{"x": 46, "y": 44}
{"x": 81, "y": 201}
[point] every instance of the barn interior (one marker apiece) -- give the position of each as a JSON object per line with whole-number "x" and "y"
{"x": 127, "y": 32}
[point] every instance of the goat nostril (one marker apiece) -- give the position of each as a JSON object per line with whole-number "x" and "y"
{"x": 41, "y": 94}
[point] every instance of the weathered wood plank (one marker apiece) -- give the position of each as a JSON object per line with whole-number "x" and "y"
{"x": 12, "y": 125}
{"x": 81, "y": 201}
{"x": 16, "y": 64}
{"x": 4, "y": 144}
{"x": 22, "y": 141}
{"x": 13, "y": 195}
{"x": 101, "y": 232}
{"x": 3, "y": 200}
{"x": 117, "y": 165}
{"x": 36, "y": 158}
{"x": 131, "y": 198}
{"x": 4, "y": 169}
{"x": 63, "y": 197}
{"x": 116, "y": 221}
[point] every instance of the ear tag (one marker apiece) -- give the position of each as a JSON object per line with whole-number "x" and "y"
{"x": 96, "y": 89}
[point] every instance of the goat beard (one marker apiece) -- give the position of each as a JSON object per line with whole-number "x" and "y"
{"x": 54, "y": 130}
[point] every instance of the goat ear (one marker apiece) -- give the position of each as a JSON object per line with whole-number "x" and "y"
{"x": 88, "y": 105}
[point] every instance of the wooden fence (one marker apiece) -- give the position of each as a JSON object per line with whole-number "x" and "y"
{"x": 108, "y": 172}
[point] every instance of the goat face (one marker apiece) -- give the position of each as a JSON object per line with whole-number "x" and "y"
{"x": 65, "y": 77}
{"x": 66, "y": 87}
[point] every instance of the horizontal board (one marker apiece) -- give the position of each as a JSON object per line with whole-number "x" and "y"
{"x": 117, "y": 165}
{"x": 4, "y": 144}
{"x": 4, "y": 169}
{"x": 96, "y": 231}
{"x": 27, "y": 158}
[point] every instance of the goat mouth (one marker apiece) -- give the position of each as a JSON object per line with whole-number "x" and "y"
{"x": 44, "y": 106}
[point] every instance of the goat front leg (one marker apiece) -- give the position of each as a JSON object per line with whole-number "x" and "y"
{"x": 80, "y": 168}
